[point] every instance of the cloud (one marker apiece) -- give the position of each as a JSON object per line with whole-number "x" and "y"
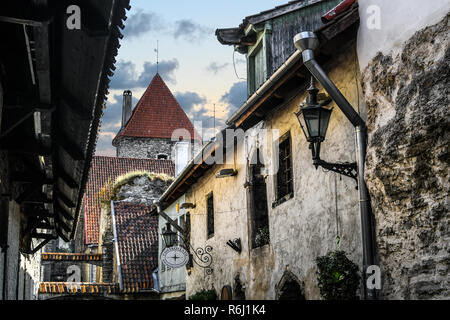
{"x": 235, "y": 97}
{"x": 110, "y": 125}
{"x": 142, "y": 22}
{"x": 215, "y": 67}
{"x": 126, "y": 76}
{"x": 189, "y": 100}
{"x": 165, "y": 69}
{"x": 191, "y": 31}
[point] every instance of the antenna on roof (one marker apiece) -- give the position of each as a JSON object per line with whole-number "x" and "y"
{"x": 157, "y": 55}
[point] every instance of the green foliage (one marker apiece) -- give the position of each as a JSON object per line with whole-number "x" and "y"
{"x": 109, "y": 190}
{"x": 338, "y": 276}
{"x": 204, "y": 295}
{"x": 262, "y": 237}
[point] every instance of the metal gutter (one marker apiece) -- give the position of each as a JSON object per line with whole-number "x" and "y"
{"x": 294, "y": 58}
{"x": 306, "y": 43}
{"x": 116, "y": 247}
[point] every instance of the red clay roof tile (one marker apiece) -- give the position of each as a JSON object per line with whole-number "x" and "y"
{"x": 137, "y": 240}
{"x": 104, "y": 168}
{"x": 157, "y": 114}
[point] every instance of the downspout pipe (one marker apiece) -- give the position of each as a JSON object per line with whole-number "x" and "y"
{"x": 116, "y": 247}
{"x": 307, "y": 42}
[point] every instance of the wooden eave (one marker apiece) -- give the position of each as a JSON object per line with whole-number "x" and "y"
{"x": 333, "y": 36}
{"x": 69, "y": 87}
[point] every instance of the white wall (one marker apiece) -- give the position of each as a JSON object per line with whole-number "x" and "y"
{"x": 182, "y": 155}
{"x": 399, "y": 20}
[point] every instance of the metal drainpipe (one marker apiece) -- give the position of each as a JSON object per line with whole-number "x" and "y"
{"x": 116, "y": 246}
{"x": 307, "y": 42}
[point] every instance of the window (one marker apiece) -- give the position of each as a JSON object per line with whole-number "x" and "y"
{"x": 210, "y": 215}
{"x": 162, "y": 156}
{"x": 284, "y": 176}
{"x": 258, "y": 203}
{"x": 257, "y": 69}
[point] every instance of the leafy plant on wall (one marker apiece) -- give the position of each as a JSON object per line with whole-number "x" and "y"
{"x": 262, "y": 237}
{"x": 338, "y": 276}
{"x": 204, "y": 295}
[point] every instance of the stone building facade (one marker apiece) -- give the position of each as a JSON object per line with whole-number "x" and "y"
{"x": 398, "y": 83}
{"x": 154, "y": 127}
{"x": 301, "y": 228}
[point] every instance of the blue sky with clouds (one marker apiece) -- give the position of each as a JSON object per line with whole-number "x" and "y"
{"x": 196, "y": 67}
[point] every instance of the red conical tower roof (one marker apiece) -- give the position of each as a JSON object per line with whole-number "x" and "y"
{"x": 157, "y": 114}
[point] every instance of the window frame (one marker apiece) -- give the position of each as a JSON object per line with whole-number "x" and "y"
{"x": 289, "y": 183}
{"x": 209, "y": 215}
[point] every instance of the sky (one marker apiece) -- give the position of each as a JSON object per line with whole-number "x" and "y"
{"x": 203, "y": 74}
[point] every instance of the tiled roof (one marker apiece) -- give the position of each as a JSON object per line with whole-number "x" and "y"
{"x": 137, "y": 240}
{"x": 109, "y": 168}
{"x": 78, "y": 287}
{"x": 56, "y": 256}
{"x": 157, "y": 114}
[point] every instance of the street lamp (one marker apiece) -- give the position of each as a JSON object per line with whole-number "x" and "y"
{"x": 314, "y": 119}
{"x": 169, "y": 236}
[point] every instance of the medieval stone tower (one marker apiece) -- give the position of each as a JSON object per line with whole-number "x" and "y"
{"x": 158, "y": 128}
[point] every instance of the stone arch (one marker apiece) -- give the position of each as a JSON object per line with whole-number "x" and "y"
{"x": 289, "y": 287}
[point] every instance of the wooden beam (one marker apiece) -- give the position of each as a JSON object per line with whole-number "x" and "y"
{"x": 46, "y": 236}
{"x": 172, "y": 223}
{"x": 72, "y": 102}
{"x": 43, "y": 243}
{"x": 269, "y": 93}
{"x": 28, "y": 191}
{"x": 62, "y": 224}
{"x": 67, "y": 202}
{"x": 66, "y": 178}
{"x": 66, "y": 214}
{"x": 27, "y": 147}
{"x": 72, "y": 149}
{"x": 16, "y": 124}
{"x": 27, "y": 22}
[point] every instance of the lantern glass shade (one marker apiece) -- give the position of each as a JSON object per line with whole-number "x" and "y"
{"x": 169, "y": 236}
{"x": 314, "y": 121}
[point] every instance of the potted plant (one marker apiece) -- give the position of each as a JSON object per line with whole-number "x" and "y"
{"x": 338, "y": 276}
{"x": 262, "y": 237}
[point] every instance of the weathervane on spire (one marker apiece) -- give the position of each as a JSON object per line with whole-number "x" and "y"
{"x": 157, "y": 55}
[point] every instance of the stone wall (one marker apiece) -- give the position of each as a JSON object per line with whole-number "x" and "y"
{"x": 140, "y": 189}
{"x": 407, "y": 95}
{"x": 303, "y": 227}
{"x": 144, "y": 148}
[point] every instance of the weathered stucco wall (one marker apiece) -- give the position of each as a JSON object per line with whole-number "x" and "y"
{"x": 407, "y": 173}
{"x": 303, "y": 227}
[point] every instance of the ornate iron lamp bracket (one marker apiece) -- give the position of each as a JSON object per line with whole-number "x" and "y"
{"x": 349, "y": 169}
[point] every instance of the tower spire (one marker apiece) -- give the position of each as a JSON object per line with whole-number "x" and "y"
{"x": 157, "y": 55}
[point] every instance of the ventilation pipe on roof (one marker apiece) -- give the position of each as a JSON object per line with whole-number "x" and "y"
{"x": 126, "y": 107}
{"x": 307, "y": 42}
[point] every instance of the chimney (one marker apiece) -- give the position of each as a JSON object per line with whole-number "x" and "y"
{"x": 126, "y": 107}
